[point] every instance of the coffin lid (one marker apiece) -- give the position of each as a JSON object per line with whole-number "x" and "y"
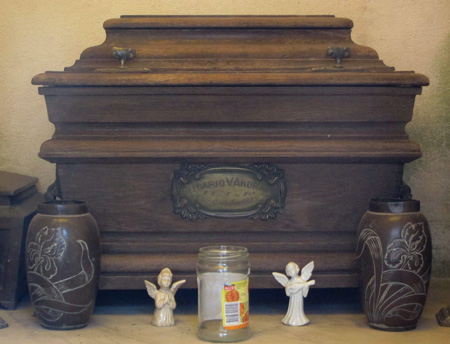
{"x": 230, "y": 50}
{"x": 12, "y": 184}
{"x": 14, "y": 187}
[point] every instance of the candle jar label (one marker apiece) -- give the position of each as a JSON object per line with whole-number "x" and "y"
{"x": 235, "y": 305}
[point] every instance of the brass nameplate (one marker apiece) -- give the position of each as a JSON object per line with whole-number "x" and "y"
{"x": 201, "y": 191}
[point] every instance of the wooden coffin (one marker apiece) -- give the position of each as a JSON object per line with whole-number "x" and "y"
{"x": 165, "y": 99}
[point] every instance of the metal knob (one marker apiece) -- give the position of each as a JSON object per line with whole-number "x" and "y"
{"x": 123, "y": 55}
{"x": 338, "y": 53}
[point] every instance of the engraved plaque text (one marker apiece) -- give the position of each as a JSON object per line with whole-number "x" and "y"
{"x": 201, "y": 191}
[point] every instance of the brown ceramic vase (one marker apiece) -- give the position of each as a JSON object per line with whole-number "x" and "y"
{"x": 394, "y": 251}
{"x": 63, "y": 264}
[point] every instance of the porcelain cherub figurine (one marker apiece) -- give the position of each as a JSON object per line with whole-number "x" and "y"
{"x": 297, "y": 288}
{"x": 164, "y": 298}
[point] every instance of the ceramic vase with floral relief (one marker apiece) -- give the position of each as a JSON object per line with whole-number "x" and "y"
{"x": 63, "y": 264}
{"x": 394, "y": 252}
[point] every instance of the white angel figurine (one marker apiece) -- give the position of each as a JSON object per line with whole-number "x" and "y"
{"x": 164, "y": 298}
{"x": 297, "y": 288}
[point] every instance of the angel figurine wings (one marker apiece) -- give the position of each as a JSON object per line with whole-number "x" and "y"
{"x": 164, "y": 298}
{"x": 297, "y": 288}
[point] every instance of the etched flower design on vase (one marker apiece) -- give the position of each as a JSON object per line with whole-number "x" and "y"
{"x": 49, "y": 245}
{"x": 47, "y": 295}
{"x": 400, "y": 290}
{"x": 406, "y": 253}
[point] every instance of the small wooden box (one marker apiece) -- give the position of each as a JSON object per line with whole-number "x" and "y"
{"x": 18, "y": 205}
{"x": 164, "y": 95}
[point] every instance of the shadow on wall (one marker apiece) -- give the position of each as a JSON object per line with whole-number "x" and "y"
{"x": 429, "y": 175}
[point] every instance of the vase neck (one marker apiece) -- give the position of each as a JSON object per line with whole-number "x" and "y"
{"x": 394, "y": 205}
{"x": 63, "y": 208}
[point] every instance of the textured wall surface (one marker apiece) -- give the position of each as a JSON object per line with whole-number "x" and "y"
{"x": 38, "y": 36}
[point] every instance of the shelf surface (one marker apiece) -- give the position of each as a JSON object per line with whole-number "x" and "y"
{"x": 335, "y": 315}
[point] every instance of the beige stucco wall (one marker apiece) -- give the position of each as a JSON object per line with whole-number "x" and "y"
{"x": 37, "y": 36}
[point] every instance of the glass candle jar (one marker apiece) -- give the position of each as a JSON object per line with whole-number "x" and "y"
{"x": 223, "y": 294}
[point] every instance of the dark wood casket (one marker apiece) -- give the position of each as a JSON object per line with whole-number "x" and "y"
{"x": 266, "y": 132}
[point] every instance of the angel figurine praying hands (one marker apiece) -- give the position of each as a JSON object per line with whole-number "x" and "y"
{"x": 297, "y": 288}
{"x": 164, "y": 298}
